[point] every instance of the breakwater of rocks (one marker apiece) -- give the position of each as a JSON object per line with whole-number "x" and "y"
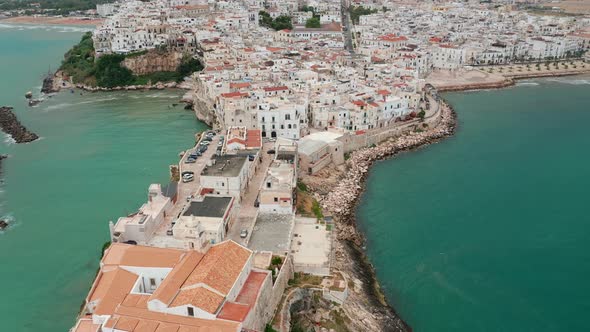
{"x": 341, "y": 201}
{"x": 368, "y": 308}
{"x": 10, "y": 125}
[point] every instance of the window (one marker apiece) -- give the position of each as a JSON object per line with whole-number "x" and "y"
{"x": 268, "y": 184}
{"x": 191, "y": 311}
{"x": 152, "y": 282}
{"x": 287, "y": 116}
{"x": 276, "y": 199}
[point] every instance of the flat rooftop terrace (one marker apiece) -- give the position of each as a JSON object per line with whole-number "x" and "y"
{"x": 226, "y": 165}
{"x": 211, "y": 206}
{"x": 272, "y": 232}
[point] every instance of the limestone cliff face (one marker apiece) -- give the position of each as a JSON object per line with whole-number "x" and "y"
{"x": 153, "y": 61}
{"x": 203, "y": 105}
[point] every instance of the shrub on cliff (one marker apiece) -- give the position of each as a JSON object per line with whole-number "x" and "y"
{"x": 188, "y": 66}
{"x": 109, "y": 72}
{"x": 78, "y": 62}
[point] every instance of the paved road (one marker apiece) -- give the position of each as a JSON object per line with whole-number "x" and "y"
{"x": 246, "y": 217}
{"x": 189, "y": 188}
{"x": 347, "y": 25}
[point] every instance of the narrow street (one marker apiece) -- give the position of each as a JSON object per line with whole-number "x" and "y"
{"x": 346, "y": 27}
{"x": 186, "y": 189}
{"x": 246, "y": 217}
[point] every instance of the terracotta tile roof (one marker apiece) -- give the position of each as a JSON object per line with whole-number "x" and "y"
{"x": 181, "y": 323}
{"x": 146, "y": 326}
{"x": 236, "y": 312}
{"x": 239, "y": 85}
{"x": 199, "y": 297}
{"x": 167, "y": 327}
{"x": 246, "y": 299}
{"x": 392, "y": 38}
{"x": 275, "y": 88}
{"x": 130, "y": 255}
{"x": 220, "y": 267}
{"x": 253, "y": 138}
{"x": 136, "y": 300}
{"x": 359, "y": 103}
{"x": 234, "y": 94}
{"x": 383, "y": 92}
{"x": 251, "y": 288}
{"x": 126, "y": 324}
{"x": 111, "y": 289}
{"x": 86, "y": 325}
{"x": 172, "y": 283}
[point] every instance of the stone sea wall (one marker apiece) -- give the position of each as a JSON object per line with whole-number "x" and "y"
{"x": 366, "y": 306}
{"x": 10, "y": 125}
{"x": 341, "y": 201}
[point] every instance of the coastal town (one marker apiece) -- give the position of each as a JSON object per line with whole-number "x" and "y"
{"x": 255, "y": 230}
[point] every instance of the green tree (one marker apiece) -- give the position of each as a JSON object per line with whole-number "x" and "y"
{"x": 282, "y": 22}
{"x": 421, "y": 114}
{"x": 110, "y": 73}
{"x": 313, "y": 22}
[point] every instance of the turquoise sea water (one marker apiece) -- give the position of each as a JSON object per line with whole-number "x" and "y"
{"x": 489, "y": 230}
{"x": 97, "y": 156}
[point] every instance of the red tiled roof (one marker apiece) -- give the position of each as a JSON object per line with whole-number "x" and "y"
{"x": 234, "y": 94}
{"x": 392, "y": 38}
{"x": 359, "y": 103}
{"x": 253, "y": 138}
{"x": 239, "y": 85}
{"x": 275, "y": 88}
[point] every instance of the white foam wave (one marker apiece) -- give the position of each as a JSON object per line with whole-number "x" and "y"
{"x": 570, "y": 80}
{"x": 527, "y": 84}
{"x": 11, "y": 220}
{"x": 8, "y": 139}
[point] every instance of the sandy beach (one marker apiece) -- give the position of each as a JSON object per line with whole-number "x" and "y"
{"x": 52, "y": 20}
{"x": 500, "y": 76}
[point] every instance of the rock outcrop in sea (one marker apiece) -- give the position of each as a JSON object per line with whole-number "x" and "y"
{"x": 48, "y": 86}
{"x": 10, "y": 125}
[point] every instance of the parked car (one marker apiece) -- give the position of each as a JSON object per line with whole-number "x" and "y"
{"x": 169, "y": 232}
{"x": 188, "y": 178}
{"x": 244, "y": 233}
{"x": 187, "y": 173}
{"x": 205, "y": 143}
{"x": 271, "y": 151}
{"x": 190, "y": 160}
{"x": 208, "y": 139}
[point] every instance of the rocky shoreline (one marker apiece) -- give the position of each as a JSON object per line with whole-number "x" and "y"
{"x": 10, "y": 125}
{"x": 367, "y": 307}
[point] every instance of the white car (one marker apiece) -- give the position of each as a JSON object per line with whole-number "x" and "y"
{"x": 188, "y": 178}
{"x": 205, "y": 143}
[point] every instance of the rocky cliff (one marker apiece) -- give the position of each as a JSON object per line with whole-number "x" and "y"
{"x": 202, "y": 105}
{"x": 10, "y": 125}
{"x": 153, "y": 61}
